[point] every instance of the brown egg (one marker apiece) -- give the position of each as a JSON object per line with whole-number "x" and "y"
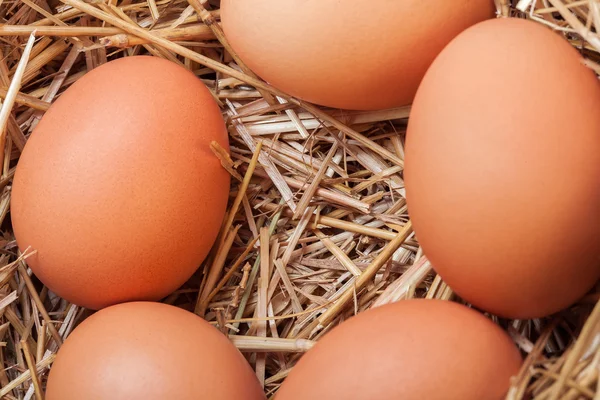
{"x": 117, "y": 189}
{"x": 355, "y": 54}
{"x": 503, "y": 166}
{"x": 144, "y": 351}
{"x": 410, "y": 350}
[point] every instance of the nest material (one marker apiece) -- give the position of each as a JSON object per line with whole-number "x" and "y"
{"x": 318, "y": 191}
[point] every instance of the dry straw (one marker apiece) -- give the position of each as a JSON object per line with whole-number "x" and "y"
{"x": 317, "y": 227}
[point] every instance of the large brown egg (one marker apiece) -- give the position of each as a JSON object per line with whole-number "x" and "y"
{"x": 353, "y": 54}
{"x": 117, "y": 189}
{"x": 410, "y": 350}
{"x": 147, "y": 351}
{"x": 503, "y": 169}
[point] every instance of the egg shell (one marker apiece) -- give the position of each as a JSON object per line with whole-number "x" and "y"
{"x": 410, "y": 350}
{"x": 117, "y": 190}
{"x": 502, "y": 166}
{"x": 352, "y": 54}
{"x": 143, "y": 351}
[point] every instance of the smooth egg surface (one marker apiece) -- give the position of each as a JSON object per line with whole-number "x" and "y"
{"x": 502, "y": 166}
{"x": 410, "y": 350}
{"x": 117, "y": 190}
{"x": 352, "y": 54}
{"x": 147, "y": 351}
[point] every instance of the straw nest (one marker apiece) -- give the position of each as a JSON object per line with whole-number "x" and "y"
{"x": 320, "y": 190}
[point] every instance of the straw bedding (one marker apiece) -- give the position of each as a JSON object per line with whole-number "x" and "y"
{"x": 320, "y": 190}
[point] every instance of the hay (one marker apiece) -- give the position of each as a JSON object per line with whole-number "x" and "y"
{"x": 318, "y": 191}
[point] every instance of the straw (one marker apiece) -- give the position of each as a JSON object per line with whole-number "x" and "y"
{"x": 317, "y": 226}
